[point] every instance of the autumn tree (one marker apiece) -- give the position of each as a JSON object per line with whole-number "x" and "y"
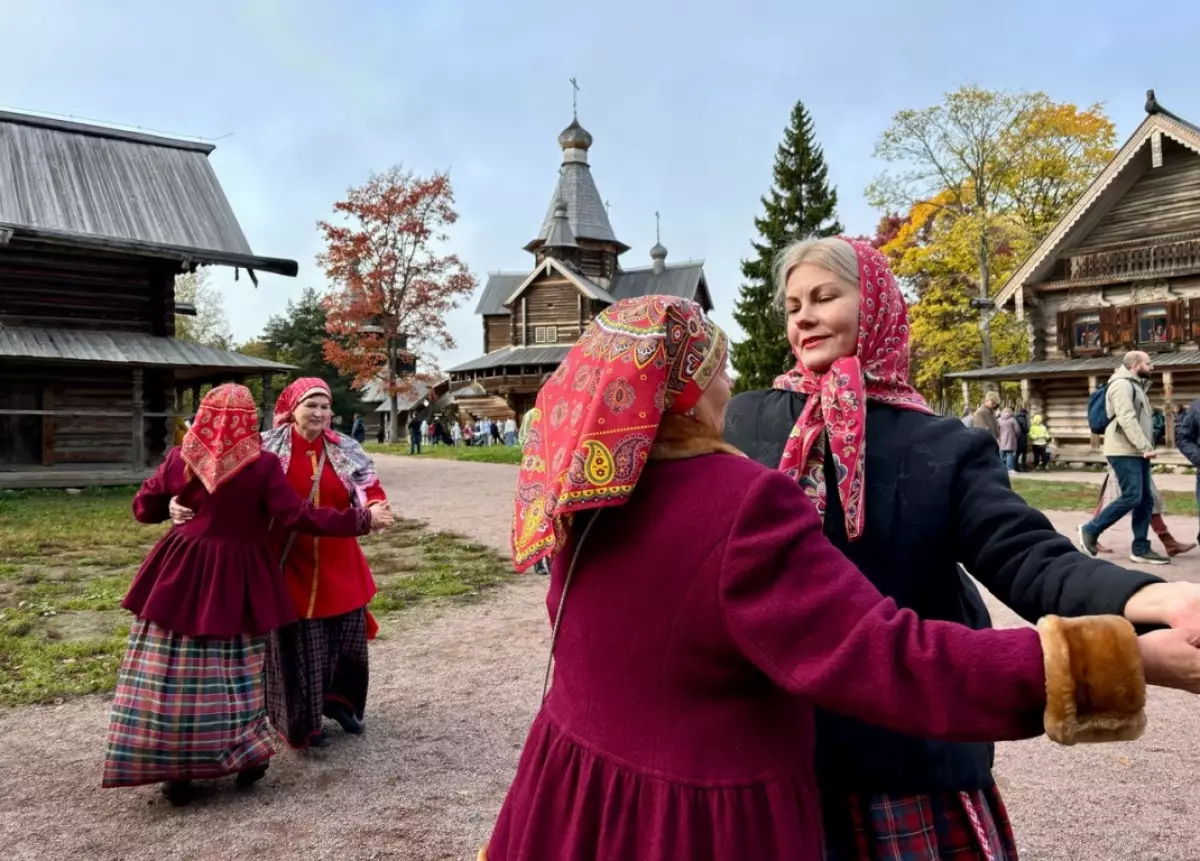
{"x": 983, "y": 176}
{"x": 391, "y": 285}
{"x": 800, "y": 204}
{"x": 210, "y": 325}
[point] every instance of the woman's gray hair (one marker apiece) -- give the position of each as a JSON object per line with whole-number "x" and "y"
{"x": 831, "y": 253}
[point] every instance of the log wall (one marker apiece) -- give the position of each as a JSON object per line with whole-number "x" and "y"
{"x": 1162, "y": 202}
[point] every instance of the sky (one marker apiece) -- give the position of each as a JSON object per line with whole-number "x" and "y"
{"x": 687, "y": 102}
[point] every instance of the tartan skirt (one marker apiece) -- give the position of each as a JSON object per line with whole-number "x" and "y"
{"x": 186, "y": 708}
{"x": 312, "y": 664}
{"x": 941, "y": 826}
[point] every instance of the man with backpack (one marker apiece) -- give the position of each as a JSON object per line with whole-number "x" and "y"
{"x": 1127, "y": 424}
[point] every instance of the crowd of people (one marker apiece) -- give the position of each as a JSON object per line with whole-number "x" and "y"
{"x": 764, "y": 642}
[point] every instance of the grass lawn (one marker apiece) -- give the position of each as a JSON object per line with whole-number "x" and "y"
{"x": 473, "y": 454}
{"x": 67, "y": 561}
{"x": 1079, "y": 496}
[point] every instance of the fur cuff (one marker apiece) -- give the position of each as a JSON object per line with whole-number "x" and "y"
{"x": 1095, "y": 688}
{"x": 482, "y": 856}
{"x": 681, "y": 437}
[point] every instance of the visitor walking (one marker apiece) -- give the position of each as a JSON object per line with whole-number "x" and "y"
{"x": 1039, "y": 441}
{"x": 1022, "y": 417}
{"x": 1010, "y": 433}
{"x": 510, "y": 430}
{"x": 985, "y": 416}
{"x": 416, "y": 435}
{"x": 1129, "y": 447}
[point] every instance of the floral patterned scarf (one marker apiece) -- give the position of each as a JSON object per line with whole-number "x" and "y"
{"x": 836, "y": 411}
{"x": 223, "y": 440}
{"x": 598, "y": 416}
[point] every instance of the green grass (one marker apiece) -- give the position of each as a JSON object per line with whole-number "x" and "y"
{"x": 66, "y": 562}
{"x": 471, "y": 454}
{"x": 1080, "y": 496}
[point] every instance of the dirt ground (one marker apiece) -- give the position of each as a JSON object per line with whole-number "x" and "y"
{"x": 453, "y": 691}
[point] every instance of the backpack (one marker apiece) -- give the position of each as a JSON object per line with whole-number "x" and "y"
{"x": 1097, "y": 410}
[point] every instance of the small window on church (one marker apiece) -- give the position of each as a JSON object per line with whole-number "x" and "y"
{"x": 545, "y": 335}
{"x": 1152, "y": 324}
{"x": 1087, "y": 331}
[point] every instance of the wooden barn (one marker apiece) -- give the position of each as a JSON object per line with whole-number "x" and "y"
{"x": 1121, "y": 271}
{"x": 532, "y": 318}
{"x": 95, "y": 223}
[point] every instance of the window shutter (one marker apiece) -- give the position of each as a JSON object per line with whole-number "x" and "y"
{"x": 1194, "y": 319}
{"x": 1127, "y": 326}
{"x": 1065, "y": 335}
{"x": 1175, "y": 327}
{"x": 1108, "y": 327}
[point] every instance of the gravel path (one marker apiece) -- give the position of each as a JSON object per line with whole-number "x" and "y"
{"x": 452, "y": 694}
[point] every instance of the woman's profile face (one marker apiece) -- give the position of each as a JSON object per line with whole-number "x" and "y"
{"x": 312, "y": 414}
{"x": 822, "y": 316}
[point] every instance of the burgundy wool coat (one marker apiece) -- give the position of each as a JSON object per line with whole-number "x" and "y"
{"x": 706, "y": 618}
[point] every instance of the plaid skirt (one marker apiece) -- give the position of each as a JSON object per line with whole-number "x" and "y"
{"x": 186, "y": 708}
{"x": 942, "y": 826}
{"x": 311, "y": 664}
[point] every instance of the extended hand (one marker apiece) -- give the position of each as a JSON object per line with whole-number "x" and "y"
{"x": 381, "y": 517}
{"x": 1174, "y": 604}
{"x": 179, "y": 514}
{"x": 1171, "y": 659}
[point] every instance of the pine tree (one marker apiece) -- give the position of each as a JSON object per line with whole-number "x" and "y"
{"x": 800, "y": 204}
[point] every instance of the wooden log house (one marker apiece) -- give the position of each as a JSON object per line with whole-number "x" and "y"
{"x": 95, "y": 223}
{"x": 1121, "y": 271}
{"x": 531, "y": 318}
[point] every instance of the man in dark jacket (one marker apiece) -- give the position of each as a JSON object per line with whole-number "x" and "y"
{"x": 1022, "y": 418}
{"x": 358, "y": 430}
{"x": 1187, "y": 439}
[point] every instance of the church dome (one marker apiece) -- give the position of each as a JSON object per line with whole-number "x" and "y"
{"x": 575, "y": 136}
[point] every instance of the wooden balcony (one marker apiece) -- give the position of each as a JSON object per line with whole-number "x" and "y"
{"x": 1131, "y": 261}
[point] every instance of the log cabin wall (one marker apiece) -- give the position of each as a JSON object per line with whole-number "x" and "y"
{"x": 1162, "y": 202}
{"x": 553, "y": 307}
{"x": 80, "y": 440}
{"x": 42, "y": 285}
{"x": 1114, "y": 309}
{"x": 497, "y": 332}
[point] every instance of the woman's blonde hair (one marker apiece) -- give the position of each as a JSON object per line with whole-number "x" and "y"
{"x": 836, "y": 255}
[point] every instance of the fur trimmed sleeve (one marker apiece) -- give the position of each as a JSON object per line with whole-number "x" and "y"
{"x": 1095, "y": 687}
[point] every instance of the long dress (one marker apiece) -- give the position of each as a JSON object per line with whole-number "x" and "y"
{"x": 189, "y": 701}
{"x": 321, "y": 659}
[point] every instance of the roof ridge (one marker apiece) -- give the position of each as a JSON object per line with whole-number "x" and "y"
{"x": 102, "y": 131}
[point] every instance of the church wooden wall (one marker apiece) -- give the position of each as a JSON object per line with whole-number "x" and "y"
{"x": 497, "y": 332}
{"x": 1162, "y": 202}
{"x": 554, "y": 302}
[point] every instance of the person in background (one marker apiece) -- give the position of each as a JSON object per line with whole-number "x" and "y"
{"x": 968, "y": 417}
{"x": 358, "y": 429}
{"x": 416, "y": 434}
{"x": 190, "y": 700}
{"x": 1010, "y": 433}
{"x": 510, "y": 430}
{"x": 1129, "y": 448}
{"x": 1158, "y": 423}
{"x": 456, "y": 433}
{"x": 1039, "y": 441}
{"x": 494, "y": 432}
{"x": 1187, "y": 440}
{"x": 425, "y": 432}
{"x": 1110, "y": 490}
{"x": 985, "y": 416}
{"x": 381, "y": 434}
{"x": 1022, "y": 417}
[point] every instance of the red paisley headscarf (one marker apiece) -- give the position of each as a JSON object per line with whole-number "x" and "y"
{"x": 597, "y": 417}
{"x": 294, "y": 395}
{"x": 837, "y": 402}
{"x": 223, "y": 439}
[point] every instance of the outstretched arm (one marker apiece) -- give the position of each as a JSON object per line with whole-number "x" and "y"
{"x": 292, "y": 511}
{"x": 151, "y": 501}
{"x": 816, "y": 626}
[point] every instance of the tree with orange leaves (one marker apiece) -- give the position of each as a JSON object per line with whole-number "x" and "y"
{"x": 392, "y": 288}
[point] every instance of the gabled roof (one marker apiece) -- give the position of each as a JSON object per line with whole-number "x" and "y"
{"x": 586, "y": 287}
{"x": 1099, "y": 197}
{"x": 549, "y": 354}
{"x": 92, "y": 186}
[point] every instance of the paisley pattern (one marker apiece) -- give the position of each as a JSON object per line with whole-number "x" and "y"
{"x": 834, "y": 419}
{"x": 223, "y": 438}
{"x": 598, "y": 415}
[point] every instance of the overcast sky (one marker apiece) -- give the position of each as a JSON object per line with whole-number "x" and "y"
{"x": 686, "y": 100}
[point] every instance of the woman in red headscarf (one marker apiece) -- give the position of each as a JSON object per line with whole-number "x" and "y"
{"x": 699, "y": 615}
{"x": 190, "y": 701}
{"x": 318, "y": 667}
{"x": 908, "y": 497}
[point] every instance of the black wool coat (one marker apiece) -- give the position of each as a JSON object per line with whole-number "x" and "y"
{"x": 937, "y": 495}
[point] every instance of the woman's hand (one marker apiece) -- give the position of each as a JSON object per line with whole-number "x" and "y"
{"x": 1174, "y": 604}
{"x": 179, "y": 514}
{"x": 1171, "y": 659}
{"x": 381, "y": 517}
